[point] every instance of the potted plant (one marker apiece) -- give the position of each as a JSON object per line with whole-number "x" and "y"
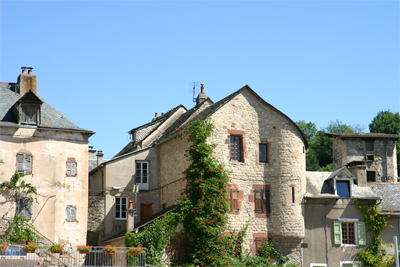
{"x": 30, "y": 247}
{"x": 134, "y": 250}
{"x": 84, "y": 249}
{"x": 56, "y": 248}
{"x": 3, "y": 247}
{"x": 109, "y": 249}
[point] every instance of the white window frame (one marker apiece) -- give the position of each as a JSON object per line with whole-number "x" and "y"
{"x": 355, "y": 232}
{"x": 142, "y": 186}
{"x": 351, "y": 183}
{"x": 318, "y": 264}
{"x": 24, "y": 167}
{"x": 71, "y": 168}
{"x": 344, "y": 262}
{"x": 120, "y": 210}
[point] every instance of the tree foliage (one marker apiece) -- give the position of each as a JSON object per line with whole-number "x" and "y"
{"x": 385, "y": 122}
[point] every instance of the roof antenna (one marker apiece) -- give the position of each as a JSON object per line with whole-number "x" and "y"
{"x": 194, "y": 91}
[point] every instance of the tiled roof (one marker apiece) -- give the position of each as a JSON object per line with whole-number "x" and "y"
{"x": 50, "y": 117}
{"x": 363, "y": 135}
{"x": 390, "y": 193}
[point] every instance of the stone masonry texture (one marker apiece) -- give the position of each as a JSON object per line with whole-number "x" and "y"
{"x": 285, "y": 170}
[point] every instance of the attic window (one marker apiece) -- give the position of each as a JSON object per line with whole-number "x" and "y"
{"x": 369, "y": 145}
{"x": 29, "y": 114}
{"x": 343, "y": 188}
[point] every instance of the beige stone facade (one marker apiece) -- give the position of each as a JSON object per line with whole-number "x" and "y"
{"x": 248, "y": 116}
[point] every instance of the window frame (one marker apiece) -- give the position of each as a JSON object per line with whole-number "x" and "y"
{"x": 26, "y": 164}
{"x": 264, "y": 201}
{"x": 75, "y": 167}
{"x": 351, "y": 184}
{"x": 360, "y": 236}
{"x": 121, "y": 210}
{"x": 258, "y": 151}
{"x": 26, "y": 119}
{"x": 374, "y": 181}
{"x": 231, "y": 199}
{"x": 19, "y": 209}
{"x": 237, "y": 149}
{"x": 142, "y": 186}
{"x": 350, "y": 262}
{"x": 373, "y": 145}
{"x": 67, "y": 209}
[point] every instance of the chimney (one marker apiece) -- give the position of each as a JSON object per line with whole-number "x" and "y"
{"x": 162, "y": 114}
{"x": 26, "y": 82}
{"x": 130, "y": 220}
{"x": 99, "y": 157}
{"x": 202, "y": 96}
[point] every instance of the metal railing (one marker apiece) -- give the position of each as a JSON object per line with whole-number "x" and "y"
{"x": 71, "y": 257}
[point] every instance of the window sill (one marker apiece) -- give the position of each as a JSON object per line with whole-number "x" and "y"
{"x": 120, "y": 219}
{"x": 349, "y": 245}
{"x": 262, "y": 215}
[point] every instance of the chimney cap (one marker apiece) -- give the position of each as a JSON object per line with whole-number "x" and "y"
{"x": 27, "y": 68}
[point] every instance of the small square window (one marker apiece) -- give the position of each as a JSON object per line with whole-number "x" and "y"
{"x": 369, "y": 145}
{"x": 371, "y": 176}
{"x": 370, "y": 157}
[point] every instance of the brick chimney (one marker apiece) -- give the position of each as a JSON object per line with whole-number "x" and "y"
{"x": 202, "y": 96}
{"x": 99, "y": 157}
{"x": 26, "y": 81}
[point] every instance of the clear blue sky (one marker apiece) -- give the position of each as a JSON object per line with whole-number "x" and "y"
{"x": 108, "y": 66}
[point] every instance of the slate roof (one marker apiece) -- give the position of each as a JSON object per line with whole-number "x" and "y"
{"x": 363, "y": 135}
{"x": 187, "y": 117}
{"x": 319, "y": 185}
{"x": 50, "y": 117}
{"x": 390, "y": 193}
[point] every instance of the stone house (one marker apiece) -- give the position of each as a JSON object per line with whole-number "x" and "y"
{"x": 52, "y": 152}
{"x": 370, "y": 154}
{"x": 263, "y": 148}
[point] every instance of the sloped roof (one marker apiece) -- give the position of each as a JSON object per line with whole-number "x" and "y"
{"x": 211, "y": 109}
{"x": 50, "y": 117}
{"x": 363, "y": 135}
{"x": 390, "y": 193}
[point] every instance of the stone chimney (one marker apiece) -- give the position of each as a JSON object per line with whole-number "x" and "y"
{"x": 202, "y": 96}
{"x": 26, "y": 81}
{"x": 99, "y": 157}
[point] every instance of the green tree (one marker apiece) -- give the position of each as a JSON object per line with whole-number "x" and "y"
{"x": 308, "y": 128}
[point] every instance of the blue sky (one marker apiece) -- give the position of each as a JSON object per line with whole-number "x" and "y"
{"x": 108, "y": 66}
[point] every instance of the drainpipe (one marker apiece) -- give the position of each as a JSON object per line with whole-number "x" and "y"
{"x": 387, "y": 178}
{"x": 42, "y": 207}
{"x": 326, "y": 235}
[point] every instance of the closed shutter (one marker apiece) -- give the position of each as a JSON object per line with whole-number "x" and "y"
{"x": 73, "y": 168}
{"x": 147, "y": 211}
{"x": 337, "y": 232}
{"x": 68, "y": 168}
{"x": 362, "y": 236}
{"x": 23, "y": 207}
{"x": 234, "y": 200}
{"x": 267, "y": 206}
{"x": 28, "y": 163}
{"x": 20, "y": 163}
{"x": 71, "y": 213}
{"x": 258, "y": 201}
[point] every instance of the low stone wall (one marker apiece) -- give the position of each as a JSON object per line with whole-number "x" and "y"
{"x": 96, "y": 213}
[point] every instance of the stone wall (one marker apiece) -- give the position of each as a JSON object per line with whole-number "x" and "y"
{"x": 96, "y": 213}
{"x": 256, "y": 122}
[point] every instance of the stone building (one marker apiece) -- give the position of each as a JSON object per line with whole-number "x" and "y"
{"x": 370, "y": 154}
{"x": 265, "y": 152}
{"x": 52, "y": 152}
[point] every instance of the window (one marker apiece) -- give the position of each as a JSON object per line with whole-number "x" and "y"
{"x": 259, "y": 241}
{"x": 142, "y": 175}
{"x": 349, "y": 232}
{"x": 29, "y": 113}
{"x": 146, "y": 211}
{"x": 236, "y": 148}
{"x": 369, "y": 145}
{"x": 370, "y": 157}
{"x": 293, "y": 196}
{"x": 71, "y": 213}
{"x": 263, "y": 153}
{"x": 371, "y": 176}
{"x": 350, "y": 264}
{"x": 71, "y": 168}
{"x": 120, "y": 208}
{"x": 24, "y": 163}
{"x": 318, "y": 265}
{"x": 23, "y": 207}
{"x": 262, "y": 201}
{"x": 234, "y": 199}
{"x": 343, "y": 188}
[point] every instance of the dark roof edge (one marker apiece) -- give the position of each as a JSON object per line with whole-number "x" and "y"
{"x": 338, "y": 197}
{"x": 366, "y": 135}
{"x": 79, "y": 130}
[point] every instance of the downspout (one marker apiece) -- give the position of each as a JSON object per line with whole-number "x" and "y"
{"x": 102, "y": 181}
{"x": 326, "y": 235}
{"x": 387, "y": 178}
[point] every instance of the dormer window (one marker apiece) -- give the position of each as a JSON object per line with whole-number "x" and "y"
{"x": 343, "y": 188}
{"x": 29, "y": 114}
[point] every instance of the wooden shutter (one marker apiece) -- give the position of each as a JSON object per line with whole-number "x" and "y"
{"x": 258, "y": 201}
{"x": 23, "y": 207}
{"x": 28, "y": 163}
{"x": 267, "y": 201}
{"x": 71, "y": 213}
{"x": 20, "y": 163}
{"x": 147, "y": 211}
{"x": 362, "y": 236}
{"x": 258, "y": 243}
{"x": 73, "y": 168}
{"x": 68, "y": 168}
{"x": 234, "y": 200}
{"x": 337, "y": 232}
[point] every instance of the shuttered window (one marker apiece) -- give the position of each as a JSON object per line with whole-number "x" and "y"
{"x": 262, "y": 201}
{"x": 71, "y": 168}
{"x": 260, "y": 241}
{"x": 24, "y": 163}
{"x": 71, "y": 213}
{"x": 234, "y": 193}
{"x": 146, "y": 211}
{"x": 349, "y": 233}
{"x": 236, "y": 148}
{"x": 23, "y": 207}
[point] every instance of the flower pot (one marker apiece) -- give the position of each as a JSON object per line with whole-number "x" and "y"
{"x": 29, "y": 250}
{"x": 135, "y": 253}
{"x": 84, "y": 251}
{"x": 56, "y": 251}
{"x": 110, "y": 252}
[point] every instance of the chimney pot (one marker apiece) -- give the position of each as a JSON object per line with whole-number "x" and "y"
{"x": 156, "y": 115}
{"x": 29, "y": 71}
{"x": 130, "y": 205}
{"x": 162, "y": 114}
{"x": 24, "y": 71}
{"x": 202, "y": 88}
